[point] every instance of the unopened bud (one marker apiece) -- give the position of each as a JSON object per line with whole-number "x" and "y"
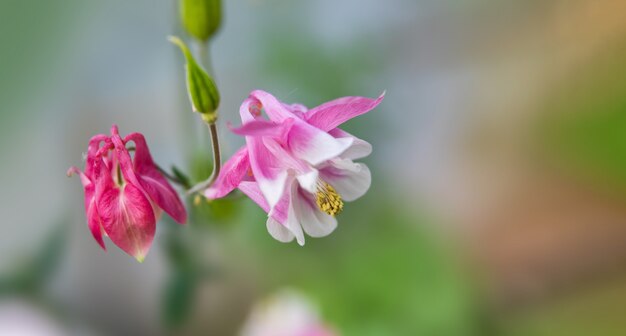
{"x": 201, "y": 18}
{"x": 203, "y": 93}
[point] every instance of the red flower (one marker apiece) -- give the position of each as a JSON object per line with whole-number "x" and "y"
{"x": 124, "y": 195}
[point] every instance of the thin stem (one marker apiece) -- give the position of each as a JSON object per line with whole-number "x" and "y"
{"x": 217, "y": 162}
{"x": 172, "y": 177}
{"x": 217, "y": 159}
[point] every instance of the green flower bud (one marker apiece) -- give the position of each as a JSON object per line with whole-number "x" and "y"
{"x": 203, "y": 93}
{"x": 201, "y": 18}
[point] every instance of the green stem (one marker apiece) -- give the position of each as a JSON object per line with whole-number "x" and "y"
{"x": 217, "y": 162}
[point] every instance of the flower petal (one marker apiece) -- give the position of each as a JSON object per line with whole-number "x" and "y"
{"x": 314, "y": 146}
{"x": 308, "y": 181}
{"x": 126, "y": 214}
{"x": 128, "y": 219}
{"x": 92, "y": 149}
{"x": 275, "y": 109}
{"x": 334, "y": 113}
{"x": 278, "y": 231}
{"x": 292, "y": 222}
{"x": 93, "y": 218}
{"x": 267, "y": 169}
{"x": 314, "y": 222}
{"x": 94, "y": 222}
{"x": 252, "y": 190}
{"x": 359, "y": 149}
{"x": 351, "y": 180}
{"x": 231, "y": 174}
{"x": 283, "y": 213}
{"x": 262, "y": 127}
{"x": 151, "y": 180}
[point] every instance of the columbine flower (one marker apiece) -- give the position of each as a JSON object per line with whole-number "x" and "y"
{"x": 124, "y": 195}
{"x": 298, "y": 165}
{"x": 287, "y": 313}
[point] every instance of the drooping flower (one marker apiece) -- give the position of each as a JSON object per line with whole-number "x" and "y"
{"x": 124, "y": 194}
{"x": 298, "y": 165}
{"x": 286, "y": 313}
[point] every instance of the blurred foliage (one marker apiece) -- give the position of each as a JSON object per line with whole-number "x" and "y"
{"x": 382, "y": 272}
{"x": 32, "y": 54}
{"x": 584, "y": 124}
{"x": 34, "y": 272}
{"x": 594, "y": 311}
{"x": 214, "y": 212}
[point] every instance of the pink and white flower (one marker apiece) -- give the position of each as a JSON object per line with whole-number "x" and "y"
{"x": 286, "y": 313}
{"x": 124, "y": 194}
{"x": 298, "y": 165}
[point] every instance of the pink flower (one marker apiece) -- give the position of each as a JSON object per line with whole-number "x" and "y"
{"x": 286, "y": 313}
{"x": 124, "y": 195}
{"x": 298, "y": 165}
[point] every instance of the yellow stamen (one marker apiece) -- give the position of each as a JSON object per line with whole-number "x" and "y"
{"x": 328, "y": 200}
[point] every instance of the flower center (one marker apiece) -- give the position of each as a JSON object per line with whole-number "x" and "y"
{"x": 327, "y": 199}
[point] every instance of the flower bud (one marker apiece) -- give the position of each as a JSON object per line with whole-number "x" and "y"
{"x": 202, "y": 89}
{"x": 201, "y": 18}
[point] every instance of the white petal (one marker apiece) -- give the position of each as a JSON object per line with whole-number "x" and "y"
{"x": 278, "y": 231}
{"x": 351, "y": 180}
{"x": 315, "y": 222}
{"x": 292, "y": 223}
{"x": 359, "y": 149}
{"x": 308, "y": 181}
{"x": 273, "y": 189}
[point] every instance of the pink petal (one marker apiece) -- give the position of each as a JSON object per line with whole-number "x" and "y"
{"x": 94, "y": 222}
{"x": 359, "y": 148}
{"x": 313, "y": 145}
{"x": 123, "y": 158}
{"x": 267, "y": 169}
{"x": 252, "y": 190}
{"x": 333, "y": 113}
{"x": 275, "y": 109}
{"x": 231, "y": 174}
{"x": 127, "y": 217}
{"x": 93, "y": 218}
{"x": 92, "y": 149}
{"x": 152, "y": 181}
{"x": 298, "y": 109}
{"x": 261, "y": 127}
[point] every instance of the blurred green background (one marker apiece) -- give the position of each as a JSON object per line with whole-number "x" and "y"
{"x": 498, "y": 201}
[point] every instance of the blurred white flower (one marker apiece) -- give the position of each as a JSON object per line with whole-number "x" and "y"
{"x": 21, "y": 318}
{"x": 287, "y": 313}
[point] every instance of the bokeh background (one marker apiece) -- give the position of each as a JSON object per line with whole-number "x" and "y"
{"x": 498, "y": 202}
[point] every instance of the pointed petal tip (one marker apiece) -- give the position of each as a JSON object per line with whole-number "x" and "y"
{"x": 102, "y": 246}
{"x": 140, "y": 258}
{"x": 72, "y": 170}
{"x": 182, "y": 220}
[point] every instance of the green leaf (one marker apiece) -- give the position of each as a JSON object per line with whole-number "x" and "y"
{"x": 201, "y": 18}
{"x": 179, "y": 298}
{"x": 203, "y": 92}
